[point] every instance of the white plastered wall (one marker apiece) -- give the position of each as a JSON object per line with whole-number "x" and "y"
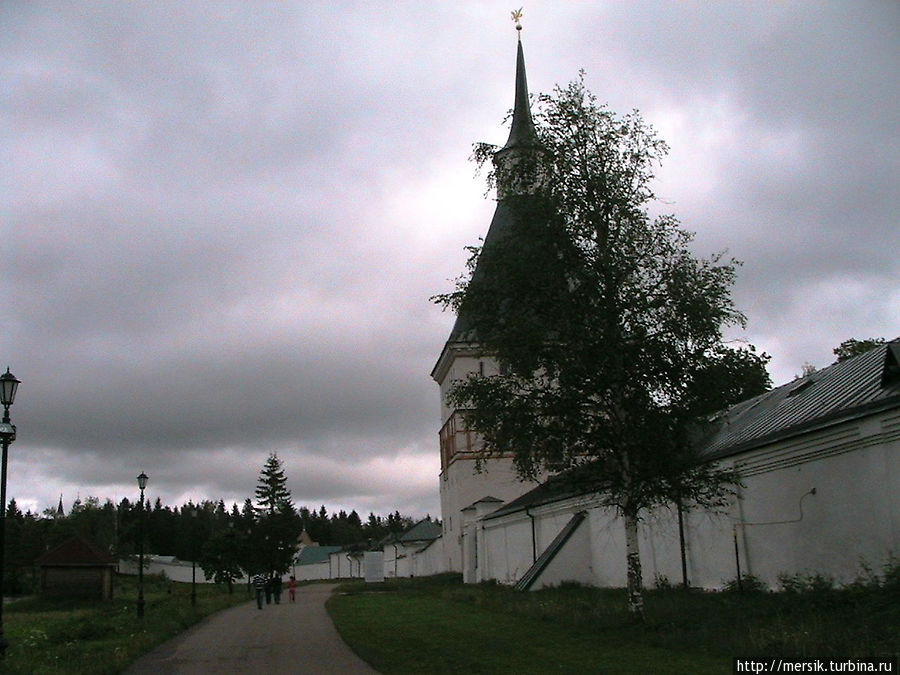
{"x": 852, "y": 520}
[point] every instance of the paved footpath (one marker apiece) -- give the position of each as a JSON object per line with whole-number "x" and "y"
{"x": 279, "y": 639}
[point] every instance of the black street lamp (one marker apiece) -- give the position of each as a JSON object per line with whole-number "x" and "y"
{"x": 194, "y": 557}
{"x": 231, "y": 555}
{"x": 142, "y": 483}
{"x": 8, "y": 386}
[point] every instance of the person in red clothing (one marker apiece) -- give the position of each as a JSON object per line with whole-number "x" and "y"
{"x": 292, "y": 588}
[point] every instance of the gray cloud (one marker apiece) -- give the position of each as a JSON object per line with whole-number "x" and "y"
{"x": 222, "y": 221}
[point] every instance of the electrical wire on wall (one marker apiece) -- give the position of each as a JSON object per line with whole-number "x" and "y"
{"x": 735, "y": 526}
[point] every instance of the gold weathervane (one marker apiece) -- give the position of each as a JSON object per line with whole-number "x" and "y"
{"x": 517, "y": 17}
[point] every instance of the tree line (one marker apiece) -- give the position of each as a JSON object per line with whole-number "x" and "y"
{"x": 258, "y": 536}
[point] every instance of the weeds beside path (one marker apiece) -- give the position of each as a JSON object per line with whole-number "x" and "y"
{"x": 400, "y": 626}
{"x": 101, "y": 637}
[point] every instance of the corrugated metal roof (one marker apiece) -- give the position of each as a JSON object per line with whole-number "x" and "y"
{"x": 424, "y": 530}
{"x": 554, "y": 489}
{"x": 855, "y": 387}
{"x": 311, "y": 555}
{"x": 840, "y": 391}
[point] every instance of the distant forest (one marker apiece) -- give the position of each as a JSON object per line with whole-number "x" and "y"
{"x": 184, "y": 532}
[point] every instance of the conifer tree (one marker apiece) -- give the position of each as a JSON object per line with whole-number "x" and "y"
{"x": 277, "y": 524}
{"x": 272, "y": 494}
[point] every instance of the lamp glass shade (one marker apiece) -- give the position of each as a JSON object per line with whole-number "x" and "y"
{"x": 8, "y": 385}
{"x": 142, "y": 480}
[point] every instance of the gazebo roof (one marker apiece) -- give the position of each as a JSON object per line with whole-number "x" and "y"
{"x": 76, "y": 551}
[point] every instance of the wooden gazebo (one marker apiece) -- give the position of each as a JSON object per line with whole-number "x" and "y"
{"x": 76, "y": 567}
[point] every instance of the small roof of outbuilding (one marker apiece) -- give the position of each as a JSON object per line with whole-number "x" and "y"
{"x": 77, "y": 552}
{"x": 554, "y": 489}
{"x": 484, "y": 500}
{"x": 316, "y": 554}
{"x": 424, "y": 530}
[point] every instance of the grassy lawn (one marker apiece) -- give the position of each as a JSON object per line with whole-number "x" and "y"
{"x": 440, "y": 626}
{"x": 75, "y": 637}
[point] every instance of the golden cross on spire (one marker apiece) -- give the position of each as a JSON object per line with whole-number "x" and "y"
{"x": 517, "y": 18}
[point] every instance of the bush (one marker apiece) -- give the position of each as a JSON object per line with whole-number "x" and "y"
{"x": 661, "y": 582}
{"x": 748, "y": 583}
{"x": 805, "y": 583}
{"x": 891, "y": 577}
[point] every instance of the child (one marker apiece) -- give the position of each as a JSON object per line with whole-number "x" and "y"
{"x": 292, "y": 588}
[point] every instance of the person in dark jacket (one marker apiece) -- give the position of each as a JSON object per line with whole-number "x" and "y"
{"x": 276, "y": 588}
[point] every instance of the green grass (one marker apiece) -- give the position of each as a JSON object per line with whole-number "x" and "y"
{"x": 438, "y": 625}
{"x": 400, "y": 626}
{"x": 99, "y": 637}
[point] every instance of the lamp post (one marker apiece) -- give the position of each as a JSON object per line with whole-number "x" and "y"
{"x": 194, "y": 557}
{"x": 142, "y": 483}
{"x": 231, "y": 555}
{"x": 8, "y": 386}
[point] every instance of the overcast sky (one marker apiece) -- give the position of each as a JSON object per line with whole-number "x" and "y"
{"x": 222, "y": 222}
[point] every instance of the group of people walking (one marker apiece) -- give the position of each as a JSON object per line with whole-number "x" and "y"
{"x": 269, "y": 588}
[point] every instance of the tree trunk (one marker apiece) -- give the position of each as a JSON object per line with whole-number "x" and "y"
{"x": 635, "y": 580}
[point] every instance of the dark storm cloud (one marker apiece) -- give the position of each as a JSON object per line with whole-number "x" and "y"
{"x": 783, "y": 121}
{"x": 222, "y": 221}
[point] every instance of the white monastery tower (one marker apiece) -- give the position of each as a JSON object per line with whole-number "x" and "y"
{"x": 465, "y": 492}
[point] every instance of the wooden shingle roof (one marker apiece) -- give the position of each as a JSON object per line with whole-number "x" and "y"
{"x": 76, "y": 551}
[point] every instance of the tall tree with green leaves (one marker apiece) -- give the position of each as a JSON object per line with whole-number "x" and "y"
{"x": 607, "y": 328}
{"x": 852, "y": 347}
{"x": 220, "y": 557}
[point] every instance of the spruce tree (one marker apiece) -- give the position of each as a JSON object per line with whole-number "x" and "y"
{"x": 277, "y": 525}
{"x": 272, "y": 495}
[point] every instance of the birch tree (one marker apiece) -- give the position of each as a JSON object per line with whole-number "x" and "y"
{"x": 608, "y": 329}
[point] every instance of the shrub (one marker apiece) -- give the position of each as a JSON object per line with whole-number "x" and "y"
{"x": 662, "y": 583}
{"x": 865, "y": 579}
{"x": 748, "y": 583}
{"x": 891, "y": 577}
{"x": 805, "y": 583}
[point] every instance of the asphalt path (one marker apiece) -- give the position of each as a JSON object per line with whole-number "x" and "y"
{"x": 279, "y": 639}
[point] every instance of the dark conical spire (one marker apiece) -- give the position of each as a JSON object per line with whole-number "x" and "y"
{"x": 518, "y": 177}
{"x": 522, "y": 133}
